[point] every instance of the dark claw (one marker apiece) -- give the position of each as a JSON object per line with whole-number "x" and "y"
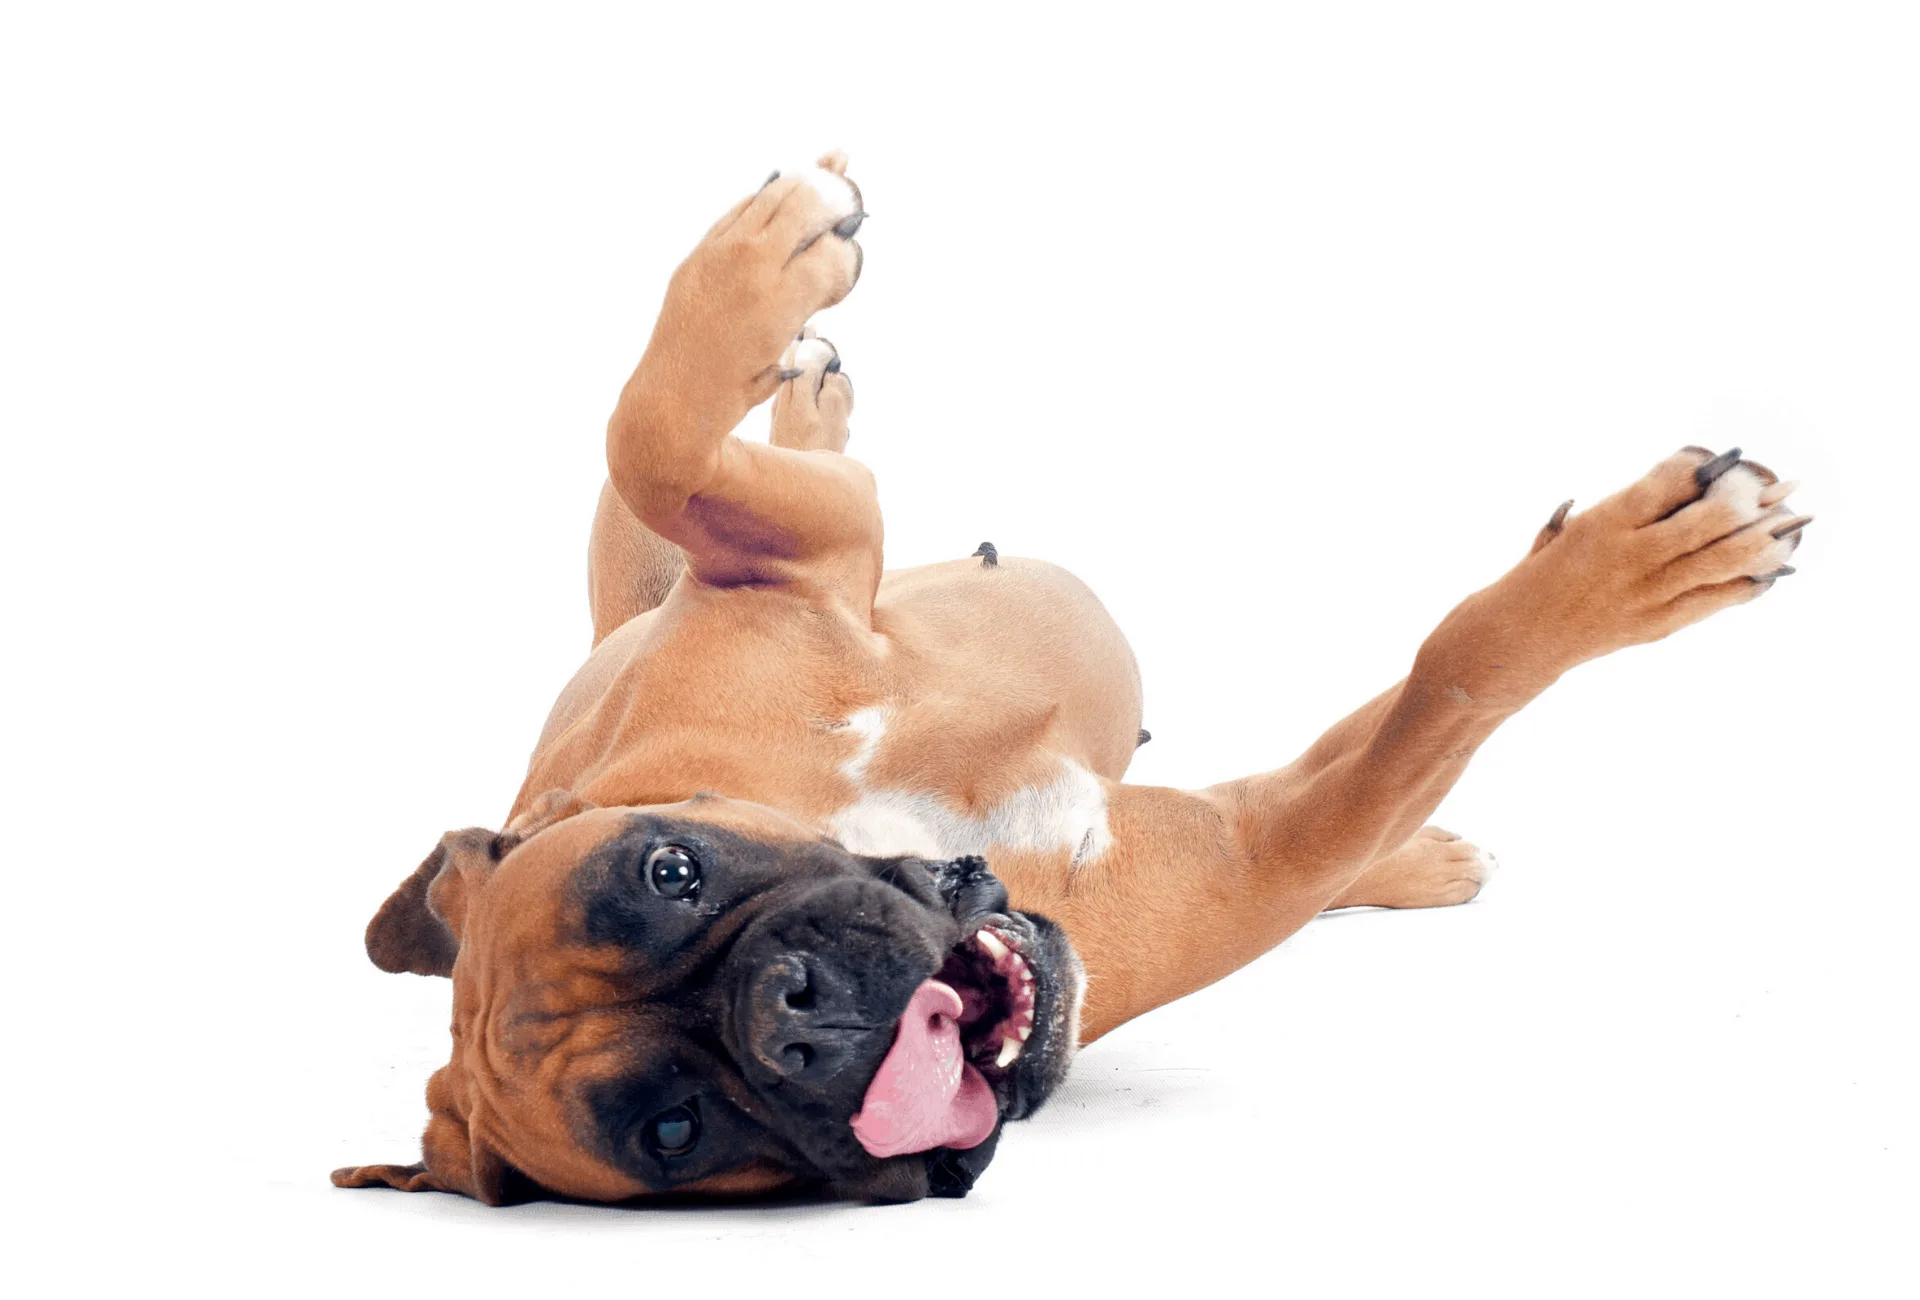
{"x": 849, "y": 224}
{"x": 1145, "y": 736}
{"x": 833, "y": 366}
{"x": 1792, "y": 527}
{"x": 771, "y": 178}
{"x": 989, "y": 555}
{"x": 1713, "y": 469}
{"x": 1780, "y": 572}
{"x": 1554, "y": 526}
{"x": 785, "y": 375}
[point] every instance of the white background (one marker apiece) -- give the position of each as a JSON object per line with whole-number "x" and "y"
{"x": 1285, "y": 327}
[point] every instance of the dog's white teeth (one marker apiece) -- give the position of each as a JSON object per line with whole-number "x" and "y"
{"x": 991, "y": 942}
{"x": 1009, "y": 1052}
{"x": 1025, "y": 1032}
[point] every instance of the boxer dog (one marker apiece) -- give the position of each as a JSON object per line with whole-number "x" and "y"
{"x": 821, "y": 873}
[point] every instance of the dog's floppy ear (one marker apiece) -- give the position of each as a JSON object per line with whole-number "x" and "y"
{"x": 418, "y": 928}
{"x": 454, "y": 1156}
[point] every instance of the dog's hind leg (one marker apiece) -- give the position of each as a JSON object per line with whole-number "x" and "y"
{"x": 630, "y": 568}
{"x": 748, "y": 513}
{"x": 1192, "y": 884}
{"x": 1435, "y": 868}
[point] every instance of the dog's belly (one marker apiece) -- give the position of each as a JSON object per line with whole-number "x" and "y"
{"x": 980, "y": 711}
{"x": 1059, "y": 806}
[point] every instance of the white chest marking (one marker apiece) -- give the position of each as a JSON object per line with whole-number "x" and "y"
{"x": 1069, "y": 812}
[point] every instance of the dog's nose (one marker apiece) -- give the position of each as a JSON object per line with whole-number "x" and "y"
{"x": 968, "y": 887}
{"x": 804, "y": 1025}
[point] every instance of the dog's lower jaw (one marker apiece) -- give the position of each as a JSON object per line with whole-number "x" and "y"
{"x": 951, "y": 1174}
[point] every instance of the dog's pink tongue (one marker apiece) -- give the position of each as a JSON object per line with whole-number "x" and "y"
{"x": 925, "y": 1094}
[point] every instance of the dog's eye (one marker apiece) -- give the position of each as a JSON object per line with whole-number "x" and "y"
{"x": 673, "y": 1132}
{"x": 673, "y": 873}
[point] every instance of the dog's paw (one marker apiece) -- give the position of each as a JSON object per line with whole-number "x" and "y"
{"x": 1698, "y": 533}
{"x": 1436, "y": 868}
{"x": 1735, "y": 525}
{"x": 807, "y": 220}
{"x": 815, "y": 398}
{"x": 765, "y": 268}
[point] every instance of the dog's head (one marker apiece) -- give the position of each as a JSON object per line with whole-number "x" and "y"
{"x": 708, "y": 998}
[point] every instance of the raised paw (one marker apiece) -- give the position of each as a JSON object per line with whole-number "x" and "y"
{"x": 1698, "y": 533}
{"x": 815, "y": 397}
{"x": 1435, "y": 868}
{"x": 762, "y": 271}
{"x": 806, "y": 219}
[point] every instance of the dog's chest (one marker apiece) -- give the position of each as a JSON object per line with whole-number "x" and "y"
{"x": 911, "y": 799}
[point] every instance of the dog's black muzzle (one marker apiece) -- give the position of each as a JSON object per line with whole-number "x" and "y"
{"x": 819, "y": 982}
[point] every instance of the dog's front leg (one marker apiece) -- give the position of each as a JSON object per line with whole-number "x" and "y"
{"x": 726, "y": 340}
{"x": 1197, "y": 884}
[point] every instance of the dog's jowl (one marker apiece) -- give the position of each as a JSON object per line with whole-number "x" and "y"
{"x": 821, "y": 872}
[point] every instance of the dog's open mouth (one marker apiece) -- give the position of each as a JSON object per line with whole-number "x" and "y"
{"x": 962, "y": 1029}
{"x": 996, "y": 991}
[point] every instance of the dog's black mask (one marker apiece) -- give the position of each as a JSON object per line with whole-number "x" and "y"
{"x": 768, "y": 983}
